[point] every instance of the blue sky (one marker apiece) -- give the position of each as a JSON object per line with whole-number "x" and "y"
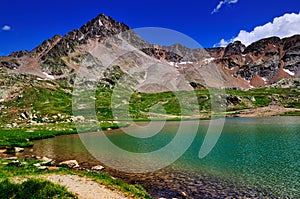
{"x": 25, "y": 24}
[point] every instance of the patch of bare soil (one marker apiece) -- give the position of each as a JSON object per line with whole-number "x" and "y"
{"x": 265, "y": 111}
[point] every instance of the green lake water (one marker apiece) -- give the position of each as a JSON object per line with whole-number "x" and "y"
{"x": 258, "y": 154}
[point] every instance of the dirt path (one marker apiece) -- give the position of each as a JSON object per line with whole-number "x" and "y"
{"x": 83, "y": 187}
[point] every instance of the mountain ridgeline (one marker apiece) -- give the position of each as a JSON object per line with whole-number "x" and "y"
{"x": 42, "y": 80}
{"x": 261, "y": 63}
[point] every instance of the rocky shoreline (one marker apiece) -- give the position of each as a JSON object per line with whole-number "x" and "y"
{"x": 165, "y": 183}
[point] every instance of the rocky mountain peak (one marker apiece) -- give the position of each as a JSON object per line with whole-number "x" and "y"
{"x": 99, "y": 27}
{"x": 235, "y": 48}
{"x": 257, "y": 48}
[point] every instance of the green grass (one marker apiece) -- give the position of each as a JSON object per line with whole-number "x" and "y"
{"x": 33, "y": 189}
{"x": 24, "y": 136}
{"x": 49, "y": 102}
{"x": 8, "y": 171}
{"x": 291, "y": 113}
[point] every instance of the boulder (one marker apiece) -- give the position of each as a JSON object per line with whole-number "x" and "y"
{"x": 47, "y": 161}
{"x": 69, "y": 163}
{"x": 97, "y": 168}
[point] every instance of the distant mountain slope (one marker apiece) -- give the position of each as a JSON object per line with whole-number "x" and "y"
{"x": 61, "y": 57}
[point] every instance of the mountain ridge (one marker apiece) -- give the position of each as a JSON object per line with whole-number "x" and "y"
{"x": 38, "y": 86}
{"x": 269, "y": 59}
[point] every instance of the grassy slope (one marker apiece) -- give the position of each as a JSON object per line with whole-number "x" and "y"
{"x": 49, "y": 102}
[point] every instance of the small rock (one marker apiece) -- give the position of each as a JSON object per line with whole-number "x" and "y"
{"x": 23, "y": 116}
{"x": 37, "y": 164}
{"x": 45, "y": 120}
{"x": 70, "y": 163}
{"x": 46, "y": 161}
{"x": 252, "y": 98}
{"x": 53, "y": 168}
{"x": 42, "y": 167}
{"x": 19, "y": 149}
{"x": 183, "y": 194}
{"x": 15, "y": 163}
{"x": 9, "y": 126}
{"x": 2, "y": 150}
{"x": 32, "y": 122}
{"x": 36, "y": 157}
{"x": 11, "y": 158}
{"x": 97, "y": 168}
{"x": 77, "y": 118}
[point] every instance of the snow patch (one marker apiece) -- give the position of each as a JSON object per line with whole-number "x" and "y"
{"x": 172, "y": 63}
{"x": 289, "y": 72}
{"x": 100, "y": 22}
{"x": 208, "y": 60}
{"x": 48, "y": 76}
{"x": 265, "y": 79}
{"x": 186, "y": 62}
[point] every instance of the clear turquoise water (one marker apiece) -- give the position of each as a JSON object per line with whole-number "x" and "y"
{"x": 260, "y": 151}
{"x": 256, "y": 152}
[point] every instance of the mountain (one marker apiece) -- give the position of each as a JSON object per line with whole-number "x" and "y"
{"x": 263, "y": 62}
{"x": 109, "y": 52}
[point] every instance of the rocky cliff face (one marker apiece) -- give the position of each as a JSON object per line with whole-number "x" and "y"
{"x": 61, "y": 57}
{"x": 261, "y": 63}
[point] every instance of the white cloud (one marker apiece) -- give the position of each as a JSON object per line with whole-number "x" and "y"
{"x": 6, "y": 28}
{"x": 222, "y": 43}
{"x": 221, "y": 3}
{"x": 283, "y": 26}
